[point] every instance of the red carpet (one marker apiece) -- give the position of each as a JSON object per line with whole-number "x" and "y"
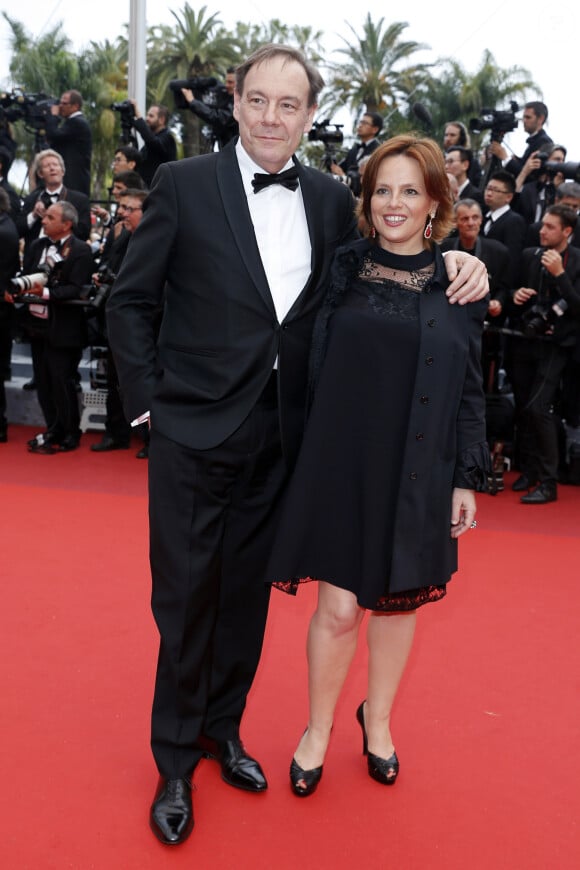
{"x": 486, "y": 725}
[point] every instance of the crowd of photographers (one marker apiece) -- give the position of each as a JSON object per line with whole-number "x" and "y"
{"x": 517, "y": 214}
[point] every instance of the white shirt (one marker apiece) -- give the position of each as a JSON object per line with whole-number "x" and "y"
{"x": 493, "y": 216}
{"x": 279, "y": 221}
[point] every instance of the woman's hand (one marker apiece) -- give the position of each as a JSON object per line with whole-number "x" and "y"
{"x": 463, "y": 509}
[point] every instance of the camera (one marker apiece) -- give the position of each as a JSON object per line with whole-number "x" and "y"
{"x": 568, "y": 170}
{"x": 32, "y": 109}
{"x": 125, "y": 107}
{"x": 498, "y": 121}
{"x": 321, "y": 133}
{"x": 126, "y": 111}
{"x": 540, "y": 318}
{"x": 47, "y": 275}
{"x": 200, "y": 85}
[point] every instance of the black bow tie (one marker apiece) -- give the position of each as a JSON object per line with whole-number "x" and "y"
{"x": 48, "y": 198}
{"x": 288, "y": 179}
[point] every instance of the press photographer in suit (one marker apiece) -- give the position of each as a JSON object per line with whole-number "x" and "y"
{"x": 58, "y": 347}
{"x": 159, "y": 145}
{"x": 72, "y": 138}
{"x": 546, "y": 307}
{"x": 240, "y": 281}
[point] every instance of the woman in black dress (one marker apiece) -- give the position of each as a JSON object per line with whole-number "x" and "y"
{"x": 393, "y": 450}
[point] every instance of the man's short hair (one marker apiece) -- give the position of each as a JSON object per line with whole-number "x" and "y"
{"x": 568, "y": 188}
{"x": 506, "y": 178}
{"x": 129, "y": 178}
{"x": 376, "y": 119}
{"x": 75, "y": 98}
{"x": 163, "y": 113}
{"x": 567, "y": 215}
{"x": 466, "y": 153}
{"x": 136, "y": 192}
{"x": 467, "y": 203}
{"x": 538, "y": 107}
{"x": 42, "y": 155}
{"x": 289, "y": 53}
{"x": 68, "y": 212}
{"x": 129, "y": 152}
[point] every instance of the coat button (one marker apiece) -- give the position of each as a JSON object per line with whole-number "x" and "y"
{"x": 413, "y": 475}
{"x": 419, "y": 436}
{"x": 424, "y": 400}
{"x": 431, "y": 322}
{"x": 429, "y": 360}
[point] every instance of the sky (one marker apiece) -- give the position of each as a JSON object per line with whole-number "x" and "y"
{"x": 529, "y": 33}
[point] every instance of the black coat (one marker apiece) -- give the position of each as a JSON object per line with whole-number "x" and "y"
{"x": 496, "y": 258}
{"x": 66, "y": 323}
{"x": 220, "y": 335}
{"x": 72, "y": 139}
{"x": 158, "y": 148}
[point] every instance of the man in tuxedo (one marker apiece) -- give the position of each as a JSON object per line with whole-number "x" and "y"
{"x": 348, "y": 170}
{"x": 501, "y": 222}
{"x": 457, "y": 162}
{"x": 9, "y": 265}
{"x": 71, "y": 137}
{"x": 68, "y": 263}
{"x": 50, "y": 168}
{"x": 235, "y": 247}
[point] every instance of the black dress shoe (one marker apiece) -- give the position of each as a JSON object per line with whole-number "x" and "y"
{"x": 44, "y": 449}
{"x": 171, "y": 816}
{"x": 68, "y": 444}
{"x": 29, "y": 385}
{"x": 109, "y": 443}
{"x": 523, "y": 483}
{"x": 238, "y": 768}
{"x": 383, "y": 770}
{"x": 143, "y": 453}
{"x": 542, "y": 494}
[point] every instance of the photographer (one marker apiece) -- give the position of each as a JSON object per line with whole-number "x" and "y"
{"x": 369, "y": 127}
{"x": 159, "y": 144}
{"x": 534, "y": 117}
{"x": 546, "y": 309}
{"x": 117, "y": 434}
{"x": 218, "y": 111}
{"x": 67, "y": 264}
{"x": 71, "y": 137}
{"x": 534, "y": 197}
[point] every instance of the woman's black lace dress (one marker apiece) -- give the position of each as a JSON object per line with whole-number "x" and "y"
{"x": 338, "y": 519}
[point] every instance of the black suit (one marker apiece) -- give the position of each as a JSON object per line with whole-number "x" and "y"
{"x": 539, "y": 141}
{"x": 158, "y": 148}
{"x": 72, "y": 139}
{"x": 350, "y": 163}
{"x": 470, "y": 191}
{"x": 15, "y": 201}
{"x": 510, "y": 230}
{"x": 58, "y": 349}
{"x": 209, "y": 384}
{"x": 9, "y": 264}
{"x": 79, "y": 200}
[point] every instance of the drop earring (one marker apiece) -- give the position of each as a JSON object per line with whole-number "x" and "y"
{"x": 428, "y": 231}
{"x": 373, "y": 233}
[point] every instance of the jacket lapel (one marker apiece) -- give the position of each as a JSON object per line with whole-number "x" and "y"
{"x": 238, "y": 216}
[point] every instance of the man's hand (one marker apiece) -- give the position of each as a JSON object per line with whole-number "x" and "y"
{"x": 523, "y": 294}
{"x": 552, "y": 261}
{"x": 135, "y": 108}
{"x": 494, "y": 308}
{"x": 39, "y": 209}
{"x": 497, "y": 149}
{"x": 188, "y": 94}
{"x": 468, "y": 276}
{"x": 337, "y": 170}
{"x": 55, "y": 110}
{"x": 36, "y": 289}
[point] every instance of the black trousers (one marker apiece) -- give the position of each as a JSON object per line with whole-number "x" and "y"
{"x": 116, "y": 424}
{"x": 212, "y": 515}
{"x": 536, "y": 370}
{"x": 57, "y": 389}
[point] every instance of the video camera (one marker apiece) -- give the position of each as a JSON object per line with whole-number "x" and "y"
{"x": 200, "y": 85}
{"x": 498, "y": 121}
{"x": 320, "y": 132}
{"x": 126, "y": 111}
{"x": 32, "y": 109}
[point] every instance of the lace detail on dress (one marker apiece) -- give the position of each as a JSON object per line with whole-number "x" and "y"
{"x": 390, "y": 292}
{"x": 395, "y": 602}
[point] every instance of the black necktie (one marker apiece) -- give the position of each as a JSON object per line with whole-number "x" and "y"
{"x": 288, "y": 179}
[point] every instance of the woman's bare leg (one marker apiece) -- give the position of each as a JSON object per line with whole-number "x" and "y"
{"x": 331, "y": 645}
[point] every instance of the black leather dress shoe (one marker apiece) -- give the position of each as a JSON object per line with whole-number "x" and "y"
{"x": 109, "y": 443}
{"x": 523, "y": 483}
{"x": 171, "y": 817}
{"x": 67, "y": 444}
{"x": 542, "y": 494}
{"x": 238, "y": 768}
{"x": 45, "y": 449}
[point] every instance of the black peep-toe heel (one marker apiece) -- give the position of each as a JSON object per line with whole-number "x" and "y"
{"x": 383, "y": 770}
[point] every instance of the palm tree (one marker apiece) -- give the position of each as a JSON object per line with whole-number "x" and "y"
{"x": 377, "y": 73}
{"x": 197, "y": 46}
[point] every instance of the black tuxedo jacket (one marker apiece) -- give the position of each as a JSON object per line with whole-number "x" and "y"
{"x": 195, "y": 254}
{"x": 80, "y": 202}
{"x": 470, "y": 191}
{"x": 66, "y": 323}
{"x": 73, "y": 141}
{"x": 158, "y": 148}
{"x": 496, "y": 258}
{"x": 510, "y": 230}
